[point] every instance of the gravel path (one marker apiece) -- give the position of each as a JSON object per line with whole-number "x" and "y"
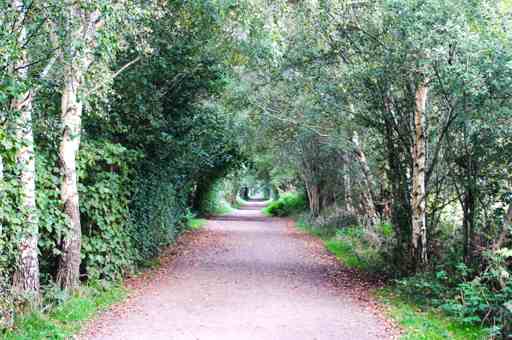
{"x": 246, "y": 277}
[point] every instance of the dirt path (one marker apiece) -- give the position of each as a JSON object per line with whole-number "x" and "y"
{"x": 246, "y": 277}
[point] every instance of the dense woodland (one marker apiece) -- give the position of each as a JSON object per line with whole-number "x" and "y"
{"x": 121, "y": 119}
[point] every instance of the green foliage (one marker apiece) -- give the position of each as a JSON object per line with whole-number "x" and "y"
{"x": 415, "y": 303}
{"x": 214, "y": 202}
{"x": 485, "y": 298}
{"x": 52, "y": 220}
{"x": 287, "y": 205}
{"x": 6, "y": 304}
{"x": 284, "y": 89}
{"x": 304, "y": 223}
{"x": 345, "y": 252}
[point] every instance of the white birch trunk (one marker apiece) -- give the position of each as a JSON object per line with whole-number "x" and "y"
{"x": 418, "y": 199}
{"x": 68, "y": 273}
{"x": 26, "y": 276}
{"x": 69, "y": 266}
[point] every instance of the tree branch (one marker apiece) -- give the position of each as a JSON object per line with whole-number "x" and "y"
{"x": 117, "y": 73}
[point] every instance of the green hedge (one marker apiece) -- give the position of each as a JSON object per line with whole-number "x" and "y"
{"x": 159, "y": 214}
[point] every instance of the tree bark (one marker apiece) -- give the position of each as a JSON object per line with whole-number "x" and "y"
{"x": 233, "y": 193}
{"x": 347, "y": 185}
{"x": 314, "y": 199}
{"x": 368, "y": 195}
{"x": 275, "y": 193}
{"x": 68, "y": 273}
{"x": 26, "y": 276}
{"x": 244, "y": 193}
{"x": 468, "y": 208}
{"x": 81, "y": 46}
{"x": 418, "y": 197}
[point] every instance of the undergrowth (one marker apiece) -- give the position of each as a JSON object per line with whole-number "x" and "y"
{"x": 424, "y": 323}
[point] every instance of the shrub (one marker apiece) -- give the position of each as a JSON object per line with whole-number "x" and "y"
{"x": 474, "y": 299}
{"x": 288, "y": 204}
{"x": 486, "y": 298}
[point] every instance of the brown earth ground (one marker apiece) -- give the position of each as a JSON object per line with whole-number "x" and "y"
{"x": 246, "y": 277}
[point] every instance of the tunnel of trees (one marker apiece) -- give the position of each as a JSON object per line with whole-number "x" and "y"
{"x": 119, "y": 119}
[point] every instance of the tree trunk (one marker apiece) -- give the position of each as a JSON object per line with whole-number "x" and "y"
{"x": 26, "y": 276}
{"x": 368, "y": 195}
{"x": 80, "y": 50}
{"x": 418, "y": 197}
{"x": 68, "y": 274}
{"x": 233, "y": 193}
{"x": 468, "y": 208}
{"x": 275, "y": 193}
{"x": 347, "y": 185}
{"x": 244, "y": 193}
{"x": 314, "y": 199}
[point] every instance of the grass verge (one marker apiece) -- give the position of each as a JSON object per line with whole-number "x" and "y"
{"x": 67, "y": 318}
{"x": 196, "y": 223}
